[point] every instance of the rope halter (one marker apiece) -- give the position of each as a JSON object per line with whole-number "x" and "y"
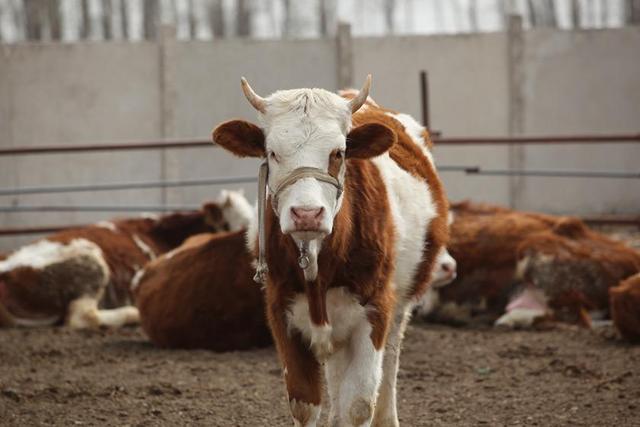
{"x": 262, "y": 268}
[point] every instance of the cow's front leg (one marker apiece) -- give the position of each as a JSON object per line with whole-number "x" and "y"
{"x": 386, "y": 410}
{"x": 301, "y": 372}
{"x": 361, "y": 378}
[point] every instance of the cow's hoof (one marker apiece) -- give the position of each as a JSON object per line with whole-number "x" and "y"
{"x": 360, "y": 412}
{"x": 387, "y": 422}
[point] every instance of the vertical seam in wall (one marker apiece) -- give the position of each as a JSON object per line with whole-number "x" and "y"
{"x": 515, "y": 58}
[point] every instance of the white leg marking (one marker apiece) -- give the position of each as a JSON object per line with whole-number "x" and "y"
{"x": 304, "y": 414}
{"x": 118, "y": 317}
{"x": 386, "y": 410}
{"x": 361, "y": 379}
{"x": 321, "y": 344}
{"x": 83, "y": 313}
{"x": 520, "y": 317}
{"x": 335, "y": 368}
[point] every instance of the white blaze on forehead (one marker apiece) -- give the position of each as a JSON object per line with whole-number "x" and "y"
{"x": 44, "y": 252}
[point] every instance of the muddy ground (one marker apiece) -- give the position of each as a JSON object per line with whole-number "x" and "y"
{"x": 448, "y": 377}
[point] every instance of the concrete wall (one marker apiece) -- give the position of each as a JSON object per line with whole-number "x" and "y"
{"x": 108, "y": 92}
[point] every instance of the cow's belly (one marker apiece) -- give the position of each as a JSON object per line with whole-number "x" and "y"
{"x": 344, "y": 312}
{"x": 412, "y": 208}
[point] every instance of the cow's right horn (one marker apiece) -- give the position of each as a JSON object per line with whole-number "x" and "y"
{"x": 256, "y": 100}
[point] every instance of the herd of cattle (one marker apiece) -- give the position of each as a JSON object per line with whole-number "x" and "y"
{"x": 190, "y": 276}
{"x": 356, "y": 235}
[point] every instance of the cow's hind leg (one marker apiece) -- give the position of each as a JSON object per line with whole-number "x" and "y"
{"x": 84, "y": 313}
{"x": 386, "y": 409}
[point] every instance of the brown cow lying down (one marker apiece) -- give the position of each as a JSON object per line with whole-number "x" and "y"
{"x": 625, "y": 308}
{"x": 67, "y": 276}
{"x": 515, "y": 268}
{"x": 202, "y": 295}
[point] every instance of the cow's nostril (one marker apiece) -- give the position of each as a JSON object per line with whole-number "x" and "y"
{"x": 447, "y": 268}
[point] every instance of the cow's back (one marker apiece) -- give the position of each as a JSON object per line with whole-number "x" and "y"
{"x": 416, "y": 197}
{"x": 203, "y": 296}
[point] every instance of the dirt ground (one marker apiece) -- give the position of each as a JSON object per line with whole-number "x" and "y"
{"x": 448, "y": 377}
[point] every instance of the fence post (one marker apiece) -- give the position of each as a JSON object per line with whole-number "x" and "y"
{"x": 344, "y": 47}
{"x": 515, "y": 59}
{"x": 167, "y": 64}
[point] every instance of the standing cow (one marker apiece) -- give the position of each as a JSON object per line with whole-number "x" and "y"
{"x": 354, "y": 220}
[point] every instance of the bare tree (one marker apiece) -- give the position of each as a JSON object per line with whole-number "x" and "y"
{"x": 107, "y": 21}
{"x": 33, "y": 19}
{"x": 124, "y": 14}
{"x": 191, "y": 14}
{"x": 633, "y": 12}
{"x": 473, "y": 15}
{"x": 86, "y": 21}
{"x": 55, "y": 19}
{"x": 286, "y": 26}
{"x": 243, "y": 19}
{"x": 322, "y": 21}
{"x": 216, "y": 18}
{"x": 575, "y": 13}
{"x": 389, "y": 12}
{"x": 151, "y": 16}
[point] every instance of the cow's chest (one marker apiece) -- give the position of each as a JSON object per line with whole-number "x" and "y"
{"x": 344, "y": 312}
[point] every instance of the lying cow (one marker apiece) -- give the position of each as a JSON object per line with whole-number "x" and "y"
{"x": 515, "y": 268}
{"x": 81, "y": 276}
{"x": 203, "y": 296}
{"x": 354, "y": 220}
{"x": 625, "y": 308}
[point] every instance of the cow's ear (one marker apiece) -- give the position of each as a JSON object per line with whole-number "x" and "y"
{"x": 242, "y": 138}
{"x": 370, "y": 140}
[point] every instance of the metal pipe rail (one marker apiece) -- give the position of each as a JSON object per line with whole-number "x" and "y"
{"x": 196, "y": 143}
{"x": 150, "y": 184}
{"x": 126, "y": 186}
{"x": 96, "y": 208}
{"x": 552, "y": 173}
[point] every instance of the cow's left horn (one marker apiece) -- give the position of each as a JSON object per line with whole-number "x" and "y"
{"x": 256, "y": 100}
{"x": 361, "y": 97}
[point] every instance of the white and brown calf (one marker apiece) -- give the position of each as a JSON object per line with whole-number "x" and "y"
{"x": 355, "y": 218}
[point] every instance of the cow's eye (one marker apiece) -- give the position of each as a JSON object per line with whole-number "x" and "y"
{"x": 338, "y": 154}
{"x": 273, "y": 156}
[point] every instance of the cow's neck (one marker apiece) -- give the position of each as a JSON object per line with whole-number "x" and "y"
{"x": 328, "y": 256}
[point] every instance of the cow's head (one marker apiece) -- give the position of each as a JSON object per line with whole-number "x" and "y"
{"x": 305, "y": 128}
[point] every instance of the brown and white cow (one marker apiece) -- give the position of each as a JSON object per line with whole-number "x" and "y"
{"x": 355, "y": 218}
{"x": 515, "y": 268}
{"x": 203, "y": 296}
{"x": 82, "y": 276}
{"x": 625, "y": 308}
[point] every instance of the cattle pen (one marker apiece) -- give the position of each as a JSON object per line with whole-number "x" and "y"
{"x": 470, "y": 174}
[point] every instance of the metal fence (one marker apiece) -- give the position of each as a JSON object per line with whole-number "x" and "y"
{"x": 185, "y": 144}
